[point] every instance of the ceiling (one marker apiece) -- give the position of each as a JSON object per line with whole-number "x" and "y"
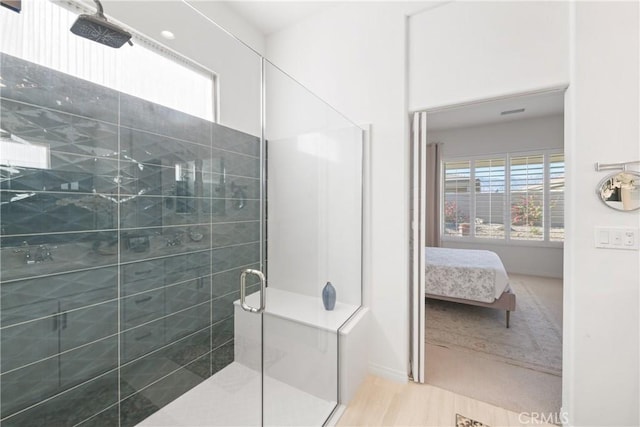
{"x": 488, "y": 112}
{"x": 271, "y": 16}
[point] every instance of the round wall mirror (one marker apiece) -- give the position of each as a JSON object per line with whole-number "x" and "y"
{"x": 620, "y": 190}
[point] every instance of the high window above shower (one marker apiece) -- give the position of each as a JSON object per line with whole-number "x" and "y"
{"x": 138, "y": 70}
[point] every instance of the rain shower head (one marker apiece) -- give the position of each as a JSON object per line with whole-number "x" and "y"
{"x": 96, "y": 27}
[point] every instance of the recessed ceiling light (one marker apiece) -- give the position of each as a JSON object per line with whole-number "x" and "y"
{"x": 167, "y": 34}
{"x": 519, "y": 110}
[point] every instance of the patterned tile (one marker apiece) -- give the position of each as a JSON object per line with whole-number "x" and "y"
{"x": 235, "y": 164}
{"x": 29, "y": 213}
{"x": 189, "y": 266}
{"x": 139, "y": 374}
{"x": 59, "y": 131}
{"x": 223, "y": 307}
{"x": 61, "y": 331}
{"x": 26, "y": 256}
{"x": 188, "y": 321}
{"x": 142, "y": 308}
{"x": 35, "y": 180}
{"x": 188, "y": 294}
{"x": 71, "y": 407}
{"x": 144, "y": 403}
{"x": 110, "y": 417}
{"x": 142, "y": 340}
{"x": 141, "y": 244}
{"x": 232, "y": 140}
{"x": 221, "y": 357}
{"x": 28, "y": 386}
{"x": 156, "y": 195}
{"x": 145, "y": 179}
{"x": 229, "y": 281}
{"x": 22, "y": 300}
{"x": 226, "y": 234}
{"x": 161, "y": 149}
{"x": 235, "y": 210}
{"x": 235, "y": 256}
{"x": 30, "y": 83}
{"x": 234, "y": 187}
{"x": 141, "y": 276}
{"x": 136, "y": 113}
{"x": 222, "y": 332}
{"x": 88, "y": 362}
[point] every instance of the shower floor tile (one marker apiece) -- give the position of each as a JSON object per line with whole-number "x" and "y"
{"x": 232, "y": 398}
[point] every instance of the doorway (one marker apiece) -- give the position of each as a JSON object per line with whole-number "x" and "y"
{"x": 500, "y": 188}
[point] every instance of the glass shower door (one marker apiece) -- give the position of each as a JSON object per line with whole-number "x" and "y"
{"x": 314, "y": 229}
{"x": 134, "y": 208}
{"x": 127, "y": 219}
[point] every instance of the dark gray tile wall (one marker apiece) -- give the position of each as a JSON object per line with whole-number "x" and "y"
{"x": 121, "y": 260}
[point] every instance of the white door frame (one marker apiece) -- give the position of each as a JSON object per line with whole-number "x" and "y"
{"x": 418, "y": 221}
{"x": 418, "y": 243}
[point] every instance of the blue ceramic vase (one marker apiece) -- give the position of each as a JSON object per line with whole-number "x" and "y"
{"x": 329, "y": 296}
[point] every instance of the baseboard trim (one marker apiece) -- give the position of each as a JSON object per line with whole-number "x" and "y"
{"x": 335, "y": 416}
{"x": 389, "y": 374}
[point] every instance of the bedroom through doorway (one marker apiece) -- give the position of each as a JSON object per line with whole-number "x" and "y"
{"x": 490, "y": 178}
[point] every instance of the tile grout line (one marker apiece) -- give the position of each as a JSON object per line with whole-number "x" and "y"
{"x": 59, "y": 394}
{"x": 132, "y": 262}
{"x": 118, "y": 124}
{"x": 119, "y": 279}
{"x": 115, "y": 230}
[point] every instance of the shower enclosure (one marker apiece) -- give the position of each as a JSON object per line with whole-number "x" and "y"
{"x": 129, "y": 216}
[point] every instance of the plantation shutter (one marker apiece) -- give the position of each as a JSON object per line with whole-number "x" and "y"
{"x": 457, "y": 195}
{"x": 556, "y": 197}
{"x": 527, "y": 197}
{"x": 489, "y": 198}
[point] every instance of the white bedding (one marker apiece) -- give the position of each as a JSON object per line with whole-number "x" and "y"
{"x": 476, "y": 275}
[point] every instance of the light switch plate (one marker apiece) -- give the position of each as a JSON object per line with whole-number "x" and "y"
{"x": 616, "y": 238}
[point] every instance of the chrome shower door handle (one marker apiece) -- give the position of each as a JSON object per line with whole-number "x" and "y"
{"x": 243, "y": 290}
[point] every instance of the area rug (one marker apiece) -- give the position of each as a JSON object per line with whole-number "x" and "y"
{"x": 462, "y": 421}
{"x": 533, "y": 340}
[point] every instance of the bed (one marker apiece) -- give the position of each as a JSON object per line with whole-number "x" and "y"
{"x": 468, "y": 276}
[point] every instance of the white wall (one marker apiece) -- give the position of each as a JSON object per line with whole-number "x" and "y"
{"x": 353, "y": 57}
{"x": 537, "y": 133}
{"x": 314, "y": 194}
{"x": 468, "y": 50}
{"x": 235, "y": 24}
{"x": 601, "y": 347}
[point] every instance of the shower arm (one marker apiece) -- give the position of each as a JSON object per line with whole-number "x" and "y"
{"x": 100, "y": 11}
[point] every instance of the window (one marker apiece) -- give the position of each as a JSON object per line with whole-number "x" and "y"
{"x": 509, "y": 197}
{"x": 457, "y": 198}
{"x": 40, "y": 34}
{"x": 489, "y": 198}
{"x": 556, "y": 197}
{"x": 526, "y": 193}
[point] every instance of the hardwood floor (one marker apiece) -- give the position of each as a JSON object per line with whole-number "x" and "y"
{"x": 381, "y": 402}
